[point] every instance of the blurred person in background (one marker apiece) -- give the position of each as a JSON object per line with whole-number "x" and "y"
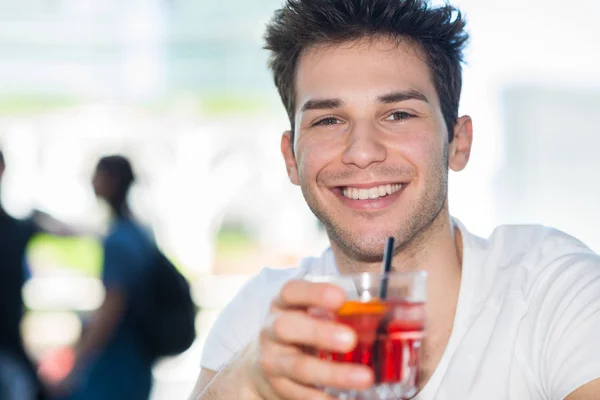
{"x": 18, "y": 379}
{"x": 372, "y": 90}
{"x": 110, "y": 362}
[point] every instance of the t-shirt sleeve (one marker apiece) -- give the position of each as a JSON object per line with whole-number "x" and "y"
{"x": 570, "y": 323}
{"x": 238, "y": 324}
{"x": 118, "y": 266}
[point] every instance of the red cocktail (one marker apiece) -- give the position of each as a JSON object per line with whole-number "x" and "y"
{"x": 389, "y": 333}
{"x": 389, "y": 338}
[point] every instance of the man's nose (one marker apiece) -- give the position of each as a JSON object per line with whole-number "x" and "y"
{"x": 364, "y": 146}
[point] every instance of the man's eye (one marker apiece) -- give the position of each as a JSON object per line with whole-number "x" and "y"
{"x": 327, "y": 121}
{"x": 399, "y": 116}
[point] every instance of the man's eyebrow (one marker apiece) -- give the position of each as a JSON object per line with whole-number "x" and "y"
{"x": 393, "y": 97}
{"x": 396, "y": 97}
{"x": 321, "y": 104}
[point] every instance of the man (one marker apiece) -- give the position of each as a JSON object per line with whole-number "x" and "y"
{"x": 18, "y": 378}
{"x": 372, "y": 90}
{"x": 110, "y": 362}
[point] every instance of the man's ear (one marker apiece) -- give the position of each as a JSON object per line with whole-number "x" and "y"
{"x": 287, "y": 150}
{"x": 460, "y": 147}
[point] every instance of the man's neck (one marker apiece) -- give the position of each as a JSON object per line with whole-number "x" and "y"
{"x": 438, "y": 252}
{"x": 437, "y": 249}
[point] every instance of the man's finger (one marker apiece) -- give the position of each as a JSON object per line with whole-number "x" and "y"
{"x": 299, "y": 293}
{"x": 308, "y": 370}
{"x": 299, "y": 328}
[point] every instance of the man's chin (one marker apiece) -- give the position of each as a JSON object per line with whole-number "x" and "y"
{"x": 367, "y": 248}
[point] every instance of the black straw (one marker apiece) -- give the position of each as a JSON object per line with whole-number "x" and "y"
{"x": 387, "y": 267}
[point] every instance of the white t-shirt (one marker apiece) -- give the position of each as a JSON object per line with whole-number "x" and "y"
{"x": 527, "y": 323}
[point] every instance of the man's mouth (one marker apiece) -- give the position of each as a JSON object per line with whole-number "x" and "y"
{"x": 370, "y": 193}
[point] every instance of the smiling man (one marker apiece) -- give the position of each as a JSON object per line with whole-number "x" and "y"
{"x": 372, "y": 90}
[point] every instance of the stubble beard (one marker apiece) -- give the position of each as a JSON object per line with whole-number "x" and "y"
{"x": 411, "y": 234}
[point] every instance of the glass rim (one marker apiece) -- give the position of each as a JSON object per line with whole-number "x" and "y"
{"x": 332, "y": 276}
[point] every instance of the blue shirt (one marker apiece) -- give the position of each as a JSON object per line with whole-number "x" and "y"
{"x": 122, "y": 370}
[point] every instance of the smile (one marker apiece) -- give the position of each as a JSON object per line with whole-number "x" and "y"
{"x": 371, "y": 193}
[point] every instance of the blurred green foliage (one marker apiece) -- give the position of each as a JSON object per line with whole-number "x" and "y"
{"x": 208, "y": 104}
{"x": 33, "y": 104}
{"x": 232, "y": 243}
{"x": 80, "y": 254}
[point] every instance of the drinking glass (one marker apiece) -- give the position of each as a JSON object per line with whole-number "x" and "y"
{"x": 389, "y": 330}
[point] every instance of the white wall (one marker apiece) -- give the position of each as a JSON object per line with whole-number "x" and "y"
{"x": 522, "y": 43}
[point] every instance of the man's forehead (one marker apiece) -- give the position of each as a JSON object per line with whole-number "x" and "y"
{"x": 325, "y": 69}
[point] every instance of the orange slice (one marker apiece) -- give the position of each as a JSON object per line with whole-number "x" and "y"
{"x": 357, "y": 307}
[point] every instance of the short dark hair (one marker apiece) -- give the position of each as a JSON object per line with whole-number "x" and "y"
{"x": 119, "y": 169}
{"x": 440, "y": 33}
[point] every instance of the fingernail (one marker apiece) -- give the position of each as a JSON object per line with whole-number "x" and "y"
{"x": 343, "y": 337}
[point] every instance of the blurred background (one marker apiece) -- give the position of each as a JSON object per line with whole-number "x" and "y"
{"x": 181, "y": 88}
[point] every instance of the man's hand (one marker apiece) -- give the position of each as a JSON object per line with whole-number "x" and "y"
{"x": 279, "y": 368}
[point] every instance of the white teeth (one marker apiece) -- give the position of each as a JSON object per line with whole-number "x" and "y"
{"x": 371, "y": 193}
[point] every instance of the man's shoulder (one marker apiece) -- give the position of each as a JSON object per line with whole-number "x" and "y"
{"x": 126, "y": 234}
{"x": 537, "y": 257}
{"x": 270, "y": 280}
{"x": 242, "y": 318}
{"x": 534, "y": 243}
